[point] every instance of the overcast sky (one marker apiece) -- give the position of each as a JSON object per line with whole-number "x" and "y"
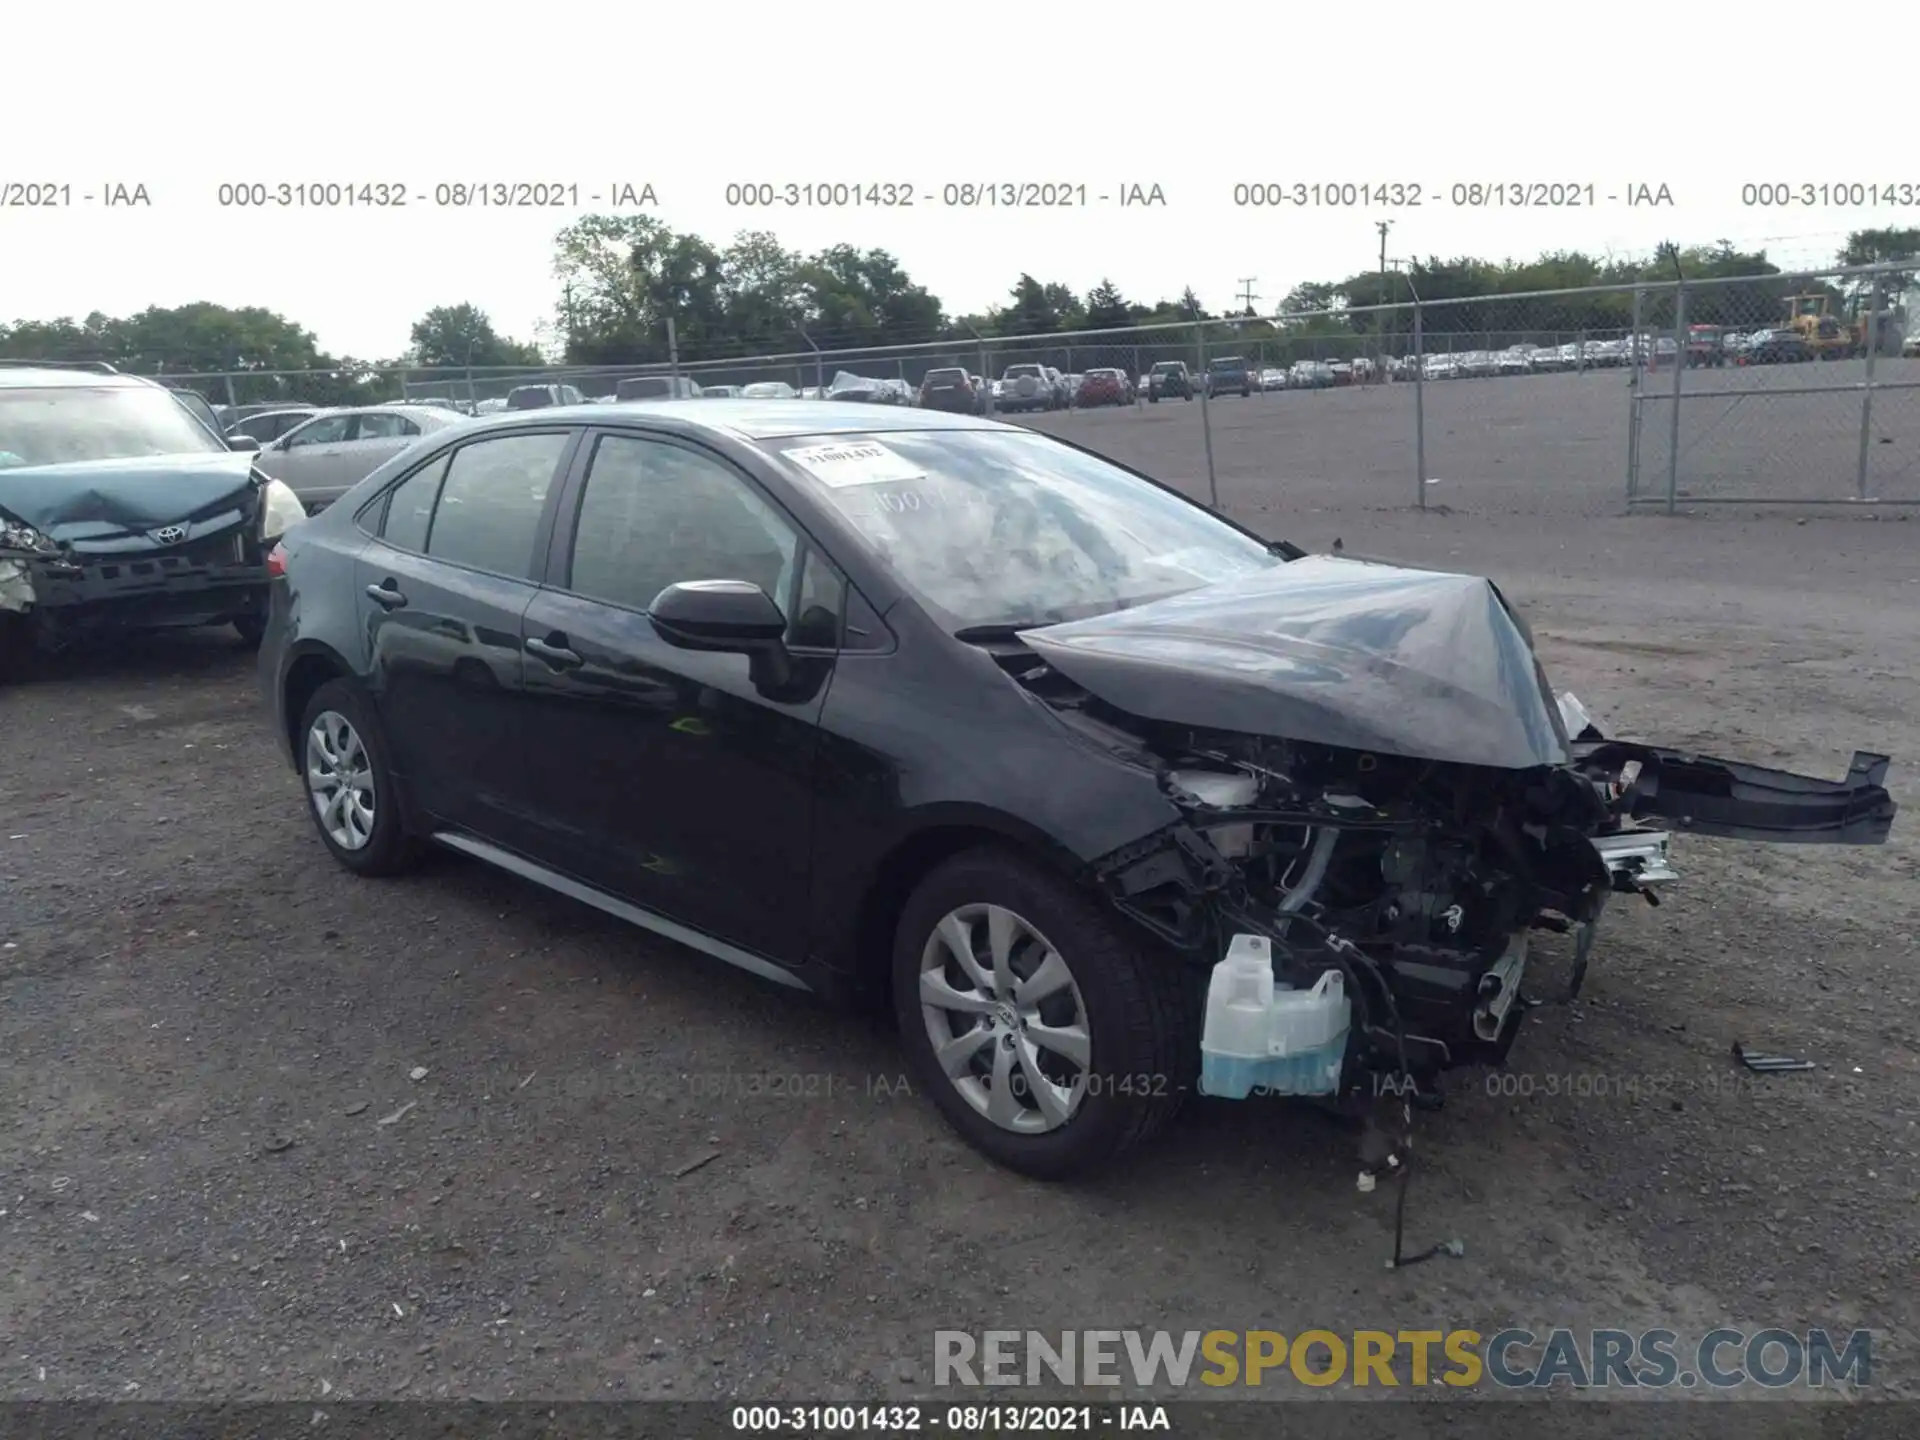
{"x": 692, "y": 100}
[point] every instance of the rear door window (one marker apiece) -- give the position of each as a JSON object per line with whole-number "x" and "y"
{"x": 491, "y": 502}
{"x": 410, "y": 507}
{"x": 384, "y": 427}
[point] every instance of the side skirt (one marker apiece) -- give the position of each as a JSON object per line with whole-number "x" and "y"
{"x": 620, "y": 909}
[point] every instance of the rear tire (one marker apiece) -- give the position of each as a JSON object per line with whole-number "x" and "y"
{"x": 1129, "y": 1009}
{"x": 340, "y": 741}
{"x": 252, "y": 630}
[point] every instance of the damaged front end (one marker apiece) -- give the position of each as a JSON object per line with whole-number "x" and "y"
{"x": 1417, "y": 879}
{"x": 144, "y": 543}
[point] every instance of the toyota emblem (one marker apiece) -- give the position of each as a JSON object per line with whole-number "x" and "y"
{"x": 170, "y": 534}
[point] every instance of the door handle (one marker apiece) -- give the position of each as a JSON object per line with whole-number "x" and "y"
{"x": 555, "y": 651}
{"x": 386, "y": 596}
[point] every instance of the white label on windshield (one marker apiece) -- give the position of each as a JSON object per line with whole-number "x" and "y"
{"x": 856, "y": 462}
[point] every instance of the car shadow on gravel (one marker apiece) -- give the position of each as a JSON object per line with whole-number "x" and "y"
{"x": 773, "y": 1033}
{"x": 214, "y": 653}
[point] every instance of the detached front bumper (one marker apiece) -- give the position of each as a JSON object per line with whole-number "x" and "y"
{"x": 1705, "y": 795}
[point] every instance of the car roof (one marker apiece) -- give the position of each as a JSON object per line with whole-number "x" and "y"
{"x": 750, "y": 419}
{"x": 331, "y": 411}
{"x": 52, "y": 376}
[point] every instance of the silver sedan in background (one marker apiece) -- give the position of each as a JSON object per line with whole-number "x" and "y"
{"x": 337, "y": 449}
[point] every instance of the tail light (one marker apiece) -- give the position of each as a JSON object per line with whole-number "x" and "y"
{"x": 277, "y": 562}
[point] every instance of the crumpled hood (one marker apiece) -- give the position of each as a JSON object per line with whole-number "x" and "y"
{"x": 92, "y": 501}
{"x": 1331, "y": 652}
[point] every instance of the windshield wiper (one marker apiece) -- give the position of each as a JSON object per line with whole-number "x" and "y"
{"x": 987, "y": 634}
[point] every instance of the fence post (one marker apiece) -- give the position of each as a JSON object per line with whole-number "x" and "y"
{"x": 1679, "y": 379}
{"x": 1419, "y": 407}
{"x": 1633, "y": 404}
{"x": 234, "y": 404}
{"x": 1206, "y": 422}
{"x": 1866, "y": 395}
{"x": 673, "y": 352}
{"x": 819, "y": 367}
{"x": 1139, "y": 383}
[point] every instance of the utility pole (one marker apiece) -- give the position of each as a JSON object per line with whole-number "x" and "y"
{"x": 566, "y": 301}
{"x": 1247, "y": 297}
{"x": 1380, "y": 329}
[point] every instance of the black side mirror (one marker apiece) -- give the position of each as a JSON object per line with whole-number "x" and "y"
{"x": 728, "y": 616}
{"x": 717, "y": 615}
{"x": 242, "y": 442}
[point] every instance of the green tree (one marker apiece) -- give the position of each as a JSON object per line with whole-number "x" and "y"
{"x": 1873, "y": 247}
{"x": 608, "y": 309}
{"x": 864, "y": 297}
{"x": 1029, "y": 311}
{"x": 762, "y": 291}
{"x": 464, "y": 335}
{"x": 1106, "y": 308}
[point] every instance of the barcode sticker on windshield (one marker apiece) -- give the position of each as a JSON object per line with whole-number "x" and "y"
{"x": 854, "y": 462}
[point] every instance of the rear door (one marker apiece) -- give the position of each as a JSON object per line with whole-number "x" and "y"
{"x": 461, "y": 541}
{"x": 665, "y": 776}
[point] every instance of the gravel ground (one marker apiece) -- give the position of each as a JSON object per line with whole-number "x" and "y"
{"x": 271, "y": 1131}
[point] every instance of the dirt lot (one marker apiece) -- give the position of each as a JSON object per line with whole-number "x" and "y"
{"x": 207, "y": 1028}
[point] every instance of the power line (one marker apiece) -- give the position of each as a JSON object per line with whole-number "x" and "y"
{"x": 1247, "y": 296}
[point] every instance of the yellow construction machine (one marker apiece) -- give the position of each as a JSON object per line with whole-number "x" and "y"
{"x": 1832, "y": 338}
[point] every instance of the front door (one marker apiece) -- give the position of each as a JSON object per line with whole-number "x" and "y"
{"x": 668, "y": 778}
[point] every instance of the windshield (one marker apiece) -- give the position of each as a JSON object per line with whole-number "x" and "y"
{"x": 646, "y": 387}
{"x": 1230, "y": 362}
{"x": 1167, "y": 367}
{"x": 990, "y": 528}
{"x": 60, "y": 424}
{"x": 1018, "y": 372}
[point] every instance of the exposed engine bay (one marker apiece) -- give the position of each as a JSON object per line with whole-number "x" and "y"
{"x": 1379, "y": 802}
{"x": 1423, "y": 881}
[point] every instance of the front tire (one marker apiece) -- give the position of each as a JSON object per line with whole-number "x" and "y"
{"x": 1052, "y": 1036}
{"x": 353, "y": 796}
{"x": 252, "y": 629}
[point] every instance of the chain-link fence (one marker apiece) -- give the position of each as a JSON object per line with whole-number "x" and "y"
{"x": 1781, "y": 389}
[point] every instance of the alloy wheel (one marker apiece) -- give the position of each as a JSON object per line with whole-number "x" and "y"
{"x": 340, "y": 780}
{"x": 1006, "y": 1019}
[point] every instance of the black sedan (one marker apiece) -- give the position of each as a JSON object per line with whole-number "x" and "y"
{"x": 929, "y": 710}
{"x": 1779, "y": 347}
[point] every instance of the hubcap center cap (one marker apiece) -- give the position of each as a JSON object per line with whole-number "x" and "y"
{"x": 1007, "y": 1017}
